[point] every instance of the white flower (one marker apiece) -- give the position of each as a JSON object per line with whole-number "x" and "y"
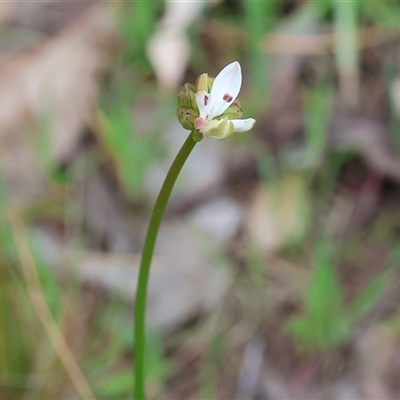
{"x": 224, "y": 91}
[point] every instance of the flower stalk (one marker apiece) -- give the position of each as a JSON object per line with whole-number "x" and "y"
{"x": 209, "y": 109}
{"x": 144, "y": 272}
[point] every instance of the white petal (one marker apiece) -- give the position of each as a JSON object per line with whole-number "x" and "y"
{"x": 203, "y": 100}
{"x": 243, "y": 125}
{"x": 225, "y": 88}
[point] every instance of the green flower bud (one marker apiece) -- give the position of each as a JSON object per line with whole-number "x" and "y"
{"x": 234, "y": 111}
{"x": 186, "y": 117}
{"x": 209, "y": 84}
{"x": 187, "y": 97}
{"x": 201, "y": 82}
{"x": 204, "y": 82}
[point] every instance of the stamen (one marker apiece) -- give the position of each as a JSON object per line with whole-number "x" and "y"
{"x": 227, "y": 97}
{"x": 206, "y": 98}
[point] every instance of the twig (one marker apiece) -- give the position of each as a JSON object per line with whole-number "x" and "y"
{"x": 40, "y": 306}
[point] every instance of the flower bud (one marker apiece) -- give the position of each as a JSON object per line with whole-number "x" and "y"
{"x": 234, "y": 111}
{"x": 209, "y": 84}
{"x": 201, "y": 83}
{"x": 187, "y": 97}
{"x": 186, "y": 117}
{"x": 204, "y": 82}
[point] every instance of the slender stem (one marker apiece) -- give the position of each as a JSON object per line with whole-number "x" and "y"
{"x": 147, "y": 255}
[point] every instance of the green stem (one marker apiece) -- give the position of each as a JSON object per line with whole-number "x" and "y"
{"x": 147, "y": 255}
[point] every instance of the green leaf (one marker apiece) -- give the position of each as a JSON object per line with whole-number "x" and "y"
{"x": 117, "y": 386}
{"x": 346, "y": 22}
{"x": 156, "y": 364}
{"x": 386, "y": 14}
{"x": 300, "y": 327}
{"x": 131, "y": 153}
{"x": 324, "y": 296}
{"x": 325, "y": 324}
{"x": 317, "y": 105}
{"x": 368, "y": 297}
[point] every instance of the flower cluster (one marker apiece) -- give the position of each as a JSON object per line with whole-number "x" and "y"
{"x": 210, "y": 108}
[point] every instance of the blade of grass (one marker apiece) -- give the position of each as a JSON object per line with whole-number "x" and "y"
{"x": 346, "y": 44}
{"x": 383, "y": 13}
{"x": 259, "y": 16}
{"x": 41, "y": 308}
{"x": 317, "y": 106}
{"x": 369, "y": 296}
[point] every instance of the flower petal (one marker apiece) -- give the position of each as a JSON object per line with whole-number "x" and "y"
{"x": 243, "y": 125}
{"x": 203, "y": 100}
{"x": 218, "y": 129}
{"x": 225, "y": 89}
{"x": 201, "y": 124}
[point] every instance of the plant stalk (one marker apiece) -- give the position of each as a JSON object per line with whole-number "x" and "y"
{"x": 144, "y": 272}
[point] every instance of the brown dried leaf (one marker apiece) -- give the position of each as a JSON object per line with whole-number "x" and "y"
{"x": 278, "y": 213}
{"x": 53, "y": 88}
